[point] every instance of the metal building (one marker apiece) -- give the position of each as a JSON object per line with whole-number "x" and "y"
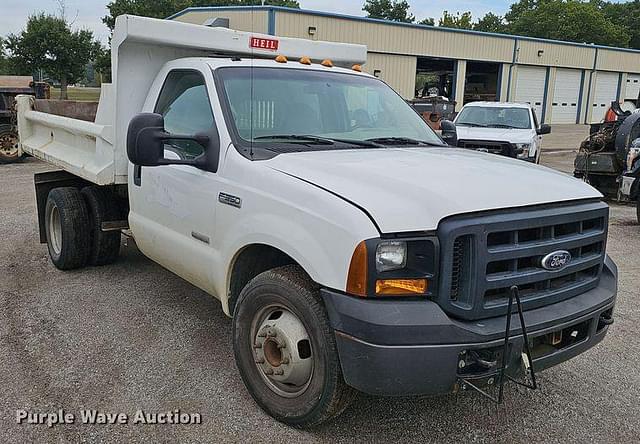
{"x": 566, "y": 82}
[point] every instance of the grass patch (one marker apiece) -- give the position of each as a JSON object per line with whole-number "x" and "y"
{"x": 80, "y": 94}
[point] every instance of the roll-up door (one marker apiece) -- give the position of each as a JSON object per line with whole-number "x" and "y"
{"x": 605, "y": 92}
{"x": 530, "y": 87}
{"x": 566, "y": 94}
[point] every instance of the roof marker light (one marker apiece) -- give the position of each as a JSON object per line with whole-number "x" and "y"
{"x": 327, "y": 63}
{"x": 305, "y": 60}
{"x": 357, "y": 68}
{"x": 281, "y": 59}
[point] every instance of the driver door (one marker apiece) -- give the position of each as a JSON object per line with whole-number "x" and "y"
{"x": 173, "y": 206}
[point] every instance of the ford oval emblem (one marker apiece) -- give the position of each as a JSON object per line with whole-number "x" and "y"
{"x": 556, "y": 261}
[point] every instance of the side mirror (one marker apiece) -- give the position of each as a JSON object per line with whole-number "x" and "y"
{"x": 544, "y": 129}
{"x": 449, "y": 133}
{"x": 146, "y": 138}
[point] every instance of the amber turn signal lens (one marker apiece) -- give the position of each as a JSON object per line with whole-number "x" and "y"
{"x": 305, "y": 60}
{"x": 328, "y": 63}
{"x": 357, "y": 68}
{"x": 281, "y": 59}
{"x": 357, "y": 278}
{"x": 395, "y": 287}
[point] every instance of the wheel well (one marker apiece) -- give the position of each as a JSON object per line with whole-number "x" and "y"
{"x": 250, "y": 262}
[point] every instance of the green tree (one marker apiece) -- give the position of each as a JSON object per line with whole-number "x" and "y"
{"x": 430, "y": 21}
{"x": 103, "y": 64}
{"x": 48, "y": 43}
{"x": 396, "y": 10}
{"x": 626, "y": 15}
{"x": 572, "y": 20}
{"x": 457, "y": 20}
{"x": 4, "y": 61}
{"x": 165, "y": 8}
{"x": 491, "y": 23}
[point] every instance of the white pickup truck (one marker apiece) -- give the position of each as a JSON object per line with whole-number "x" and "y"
{"x": 354, "y": 250}
{"x": 507, "y": 129}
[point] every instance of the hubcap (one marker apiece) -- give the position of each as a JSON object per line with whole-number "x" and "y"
{"x": 55, "y": 230}
{"x": 282, "y": 351}
{"x": 9, "y": 144}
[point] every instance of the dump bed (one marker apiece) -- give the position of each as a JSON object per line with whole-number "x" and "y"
{"x": 95, "y": 150}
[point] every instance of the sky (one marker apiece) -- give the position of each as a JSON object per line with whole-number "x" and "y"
{"x": 87, "y": 13}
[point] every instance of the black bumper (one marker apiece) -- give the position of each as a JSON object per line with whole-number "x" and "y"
{"x": 411, "y": 347}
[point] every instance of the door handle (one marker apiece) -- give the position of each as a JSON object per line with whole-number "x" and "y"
{"x": 137, "y": 175}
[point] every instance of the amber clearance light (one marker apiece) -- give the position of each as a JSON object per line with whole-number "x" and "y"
{"x": 397, "y": 287}
{"x": 357, "y": 278}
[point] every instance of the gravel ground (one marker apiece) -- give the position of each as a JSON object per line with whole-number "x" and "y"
{"x": 134, "y": 336}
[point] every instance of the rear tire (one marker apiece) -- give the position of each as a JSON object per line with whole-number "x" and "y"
{"x": 282, "y": 306}
{"x": 67, "y": 228}
{"x": 103, "y": 207}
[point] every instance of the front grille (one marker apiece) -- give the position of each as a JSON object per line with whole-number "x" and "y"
{"x": 493, "y": 147}
{"x": 484, "y": 256}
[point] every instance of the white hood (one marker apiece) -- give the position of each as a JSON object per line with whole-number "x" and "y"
{"x": 412, "y": 189}
{"x": 495, "y": 134}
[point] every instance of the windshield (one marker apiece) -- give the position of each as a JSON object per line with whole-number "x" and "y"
{"x": 494, "y": 117}
{"x": 268, "y": 104}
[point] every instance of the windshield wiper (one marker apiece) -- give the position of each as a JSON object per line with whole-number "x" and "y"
{"x": 304, "y": 138}
{"x": 474, "y": 125}
{"x": 500, "y": 125}
{"x": 297, "y": 138}
{"x": 402, "y": 141}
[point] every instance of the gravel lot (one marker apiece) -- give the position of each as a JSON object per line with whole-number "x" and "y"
{"x": 134, "y": 336}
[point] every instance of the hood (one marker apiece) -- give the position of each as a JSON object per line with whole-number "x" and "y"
{"x": 412, "y": 189}
{"x": 497, "y": 134}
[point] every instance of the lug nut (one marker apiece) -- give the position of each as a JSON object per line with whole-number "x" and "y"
{"x": 279, "y": 372}
{"x": 257, "y": 345}
{"x": 268, "y": 371}
{"x": 462, "y": 364}
{"x": 262, "y": 335}
{"x": 260, "y": 361}
{"x": 282, "y": 345}
{"x": 285, "y": 360}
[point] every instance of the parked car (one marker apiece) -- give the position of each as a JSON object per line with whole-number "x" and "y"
{"x": 353, "y": 249}
{"x": 508, "y": 129}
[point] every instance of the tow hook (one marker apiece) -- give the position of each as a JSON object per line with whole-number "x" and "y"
{"x": 606, "y": 318}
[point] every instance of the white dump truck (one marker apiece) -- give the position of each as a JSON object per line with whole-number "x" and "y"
{"x": 354, "y": 250}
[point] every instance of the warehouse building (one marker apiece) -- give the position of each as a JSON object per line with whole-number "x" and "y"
{"x": 565, "y": 82}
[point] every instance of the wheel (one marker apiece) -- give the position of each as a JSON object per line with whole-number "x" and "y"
{"x": 104, "y": 246}
{"x": 67, "y": 228}
{"x": 286, "y": 351}
{"x": 8, "y": 145}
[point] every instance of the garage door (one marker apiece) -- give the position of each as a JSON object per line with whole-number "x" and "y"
{"x": 530, "y": 86}
{"x": 566, "y": 94}
{"x": 633, "y": 87}
{"x": 605, "y": 92}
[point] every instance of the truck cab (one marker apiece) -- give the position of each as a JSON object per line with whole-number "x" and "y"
{"x": 353, "y": 249}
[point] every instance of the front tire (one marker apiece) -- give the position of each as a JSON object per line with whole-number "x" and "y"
{"x": 67, "y": 228}
{"x": 286, "y": 351}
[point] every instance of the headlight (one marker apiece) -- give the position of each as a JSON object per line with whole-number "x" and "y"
{"x": 391, "y": 255}
{"x": 523, "y": 150}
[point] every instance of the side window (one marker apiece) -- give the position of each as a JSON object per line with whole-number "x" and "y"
{"x": 184, "y": 104}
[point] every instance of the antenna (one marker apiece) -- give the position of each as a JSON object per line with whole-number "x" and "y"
{"x": 251, "y": 90}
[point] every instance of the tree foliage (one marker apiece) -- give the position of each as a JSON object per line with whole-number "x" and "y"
{"x": 396, "y": 10}
{"x": 572, "y": 20}
{"x": 165, "y": 8}
{"x": 458, "y": 20}
{"x": 491, "y": 23}
{"x": 49, "y": 44}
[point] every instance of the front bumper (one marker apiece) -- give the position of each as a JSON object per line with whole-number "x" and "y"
{"x": 411, "y": 347}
